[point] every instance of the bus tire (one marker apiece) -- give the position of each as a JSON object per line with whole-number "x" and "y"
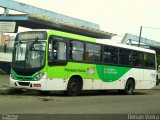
{"x": 74, "y": 87}
{"x": 129, "y": 88}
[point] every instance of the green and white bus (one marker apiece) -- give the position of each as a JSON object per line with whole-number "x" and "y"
{"x": 60, "y": 61}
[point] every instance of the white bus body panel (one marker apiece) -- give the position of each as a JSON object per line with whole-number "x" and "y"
{"x": 144, "y": 79}
{"x": 56, "y": 84}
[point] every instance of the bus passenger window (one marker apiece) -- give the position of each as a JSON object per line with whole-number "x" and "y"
{"x": 149, "y": 60}
{"x": 137, "y": 59}
{"x": 61, "y": 51}
{"x": 93, "y": 53}
{"x": 57, "y": 50}
{"x": 110, "y": 55}
{"x": 125, "y": 57}
{"x": 76, "y": 50}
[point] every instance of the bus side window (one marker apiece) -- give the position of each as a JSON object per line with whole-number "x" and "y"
{"x": 77, "y": 50}
{"x": 149, "y": 60}
{"x": 57, "y": 50}
{"x": 93, "y": 53}
{"x": 124, "y": 56}
{"x": 110, "y": 55}
{"x": 137, "y": 60}
{"x": 61, "y": 51}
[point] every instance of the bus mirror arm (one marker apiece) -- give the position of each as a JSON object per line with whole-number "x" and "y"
{"x": 158, "y": 67}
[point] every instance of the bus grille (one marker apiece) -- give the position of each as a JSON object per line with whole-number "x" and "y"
{"x": 21, "y": 78}
{"x": 24, "y": 83}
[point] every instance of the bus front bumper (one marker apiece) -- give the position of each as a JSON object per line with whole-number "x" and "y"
{"x": 35, "y": 85}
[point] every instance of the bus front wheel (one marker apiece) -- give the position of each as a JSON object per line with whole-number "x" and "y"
{"x": 73, "y": 87}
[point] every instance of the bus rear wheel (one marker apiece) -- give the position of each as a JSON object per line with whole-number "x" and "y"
{"x": 74, "y": 87}
{"x": 129, "y": 88}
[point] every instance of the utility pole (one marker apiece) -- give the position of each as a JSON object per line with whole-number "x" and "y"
{"x": 140, "y": 36}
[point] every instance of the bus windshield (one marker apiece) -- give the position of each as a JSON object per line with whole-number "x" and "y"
{"x": 29, "y": 54}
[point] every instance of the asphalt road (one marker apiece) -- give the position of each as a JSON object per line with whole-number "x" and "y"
{"x": 31, "y": 102}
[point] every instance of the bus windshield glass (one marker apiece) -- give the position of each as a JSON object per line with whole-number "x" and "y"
{"x": 29, "y": 54}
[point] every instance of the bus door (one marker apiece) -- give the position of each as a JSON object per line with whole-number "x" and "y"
{"x": 56, "y": 61}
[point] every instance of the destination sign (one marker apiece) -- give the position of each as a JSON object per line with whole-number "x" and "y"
{"x": 32, "y": 35}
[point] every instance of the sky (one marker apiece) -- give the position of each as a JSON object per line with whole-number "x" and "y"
{"x": 115, "y": 16}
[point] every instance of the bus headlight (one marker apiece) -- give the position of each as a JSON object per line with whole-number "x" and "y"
{"x": 12, "y": 76}
{"x": 39, "y": 76}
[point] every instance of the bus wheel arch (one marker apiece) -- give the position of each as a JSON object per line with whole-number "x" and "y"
{"x": 129, "y": 86}
{"x": 75, "y": 85}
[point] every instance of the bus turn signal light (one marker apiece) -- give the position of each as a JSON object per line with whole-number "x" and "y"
{"x": 37, "y": 85}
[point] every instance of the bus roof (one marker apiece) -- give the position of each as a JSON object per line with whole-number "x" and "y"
{"x": 94, "y": 40}
{"x": 101, "y": 41}
{"x": 71, "y": 35}
{"x": 111, "y": 43}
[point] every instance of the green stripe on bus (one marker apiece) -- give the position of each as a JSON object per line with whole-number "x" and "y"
{"x": 111, "y": 73}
